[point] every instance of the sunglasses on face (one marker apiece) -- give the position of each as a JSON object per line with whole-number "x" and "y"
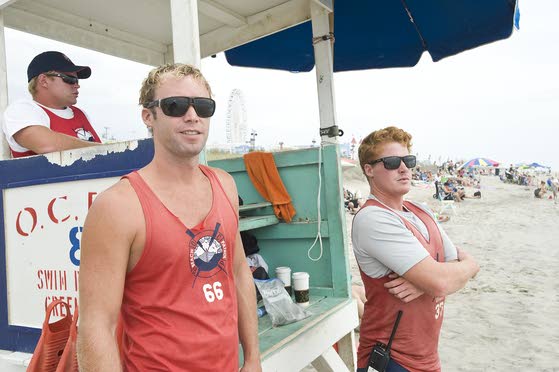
{"x": 178, "y": 106}
{"x": 65, "y": 78}
{"x": 393, "y": 162}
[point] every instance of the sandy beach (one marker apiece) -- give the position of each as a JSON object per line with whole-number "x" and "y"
{"x": 507, "y": 318}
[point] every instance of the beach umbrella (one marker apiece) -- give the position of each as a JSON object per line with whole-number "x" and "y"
{"x": 479, "y": 163}
{"x": 386, "y": 33}
{"x": 536, "y": 165}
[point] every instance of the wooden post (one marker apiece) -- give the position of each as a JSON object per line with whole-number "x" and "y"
{"x": 324, "y": 64}
{"x": 329, "y": 362}
{"x": 4, "y": 148}
{"x": 186, "y": 34}
{"x": 347, "y": 352}
{"x": 186, "y": 38}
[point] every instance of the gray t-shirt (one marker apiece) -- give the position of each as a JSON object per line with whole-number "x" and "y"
{"x": 383, "y": 244}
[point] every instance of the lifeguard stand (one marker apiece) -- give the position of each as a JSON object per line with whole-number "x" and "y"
{"x": 308, "y": 177}
{"x": 44, "y": 202}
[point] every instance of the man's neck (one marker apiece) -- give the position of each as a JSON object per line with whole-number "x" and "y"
{"x": 394, "y": 202}
{"x": 48, "y": 103}
{"x": 183, "y": 171}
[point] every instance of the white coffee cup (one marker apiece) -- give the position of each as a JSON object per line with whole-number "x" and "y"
{"x": 301, "y": 288}
{"x": 283, "y": 273}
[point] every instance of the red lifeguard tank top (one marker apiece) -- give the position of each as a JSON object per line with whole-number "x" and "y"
{"x": 415, "y": 346}
{"x": 179, "y": 307}
{"x": 78, "y": 127}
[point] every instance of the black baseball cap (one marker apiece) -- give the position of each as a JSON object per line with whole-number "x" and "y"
{"x": 55, "y": 61}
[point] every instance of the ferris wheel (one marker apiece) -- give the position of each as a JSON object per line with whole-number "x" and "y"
{"x": 236, "y": 122}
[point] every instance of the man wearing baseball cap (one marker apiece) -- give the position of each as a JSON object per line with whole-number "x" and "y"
{"x": 50, "y": 122}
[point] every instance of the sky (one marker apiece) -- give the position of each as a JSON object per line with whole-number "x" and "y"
{"x": 499, "y": 101}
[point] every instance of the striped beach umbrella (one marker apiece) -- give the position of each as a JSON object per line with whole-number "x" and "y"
{"x": 480, "y": 163}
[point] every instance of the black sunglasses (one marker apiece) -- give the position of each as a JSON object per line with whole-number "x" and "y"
{"x": 178, "y": 106}
{"x": 65, "y": 78}
{"x": 393, "y": 162}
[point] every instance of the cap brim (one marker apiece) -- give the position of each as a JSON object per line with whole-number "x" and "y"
{"x": 83, "y": 72}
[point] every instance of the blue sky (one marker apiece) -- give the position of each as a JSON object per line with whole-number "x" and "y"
{"x": 497, "y": 101}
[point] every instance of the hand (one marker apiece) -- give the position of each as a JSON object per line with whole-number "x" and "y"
{"x": 251, "y": 366}
{"x": 462, "y": 254}
{"x": 465, "y": 256}
{"x": 402, "y": 289}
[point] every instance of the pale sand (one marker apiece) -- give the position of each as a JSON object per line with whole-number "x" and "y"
{"x": 507, "y": 318}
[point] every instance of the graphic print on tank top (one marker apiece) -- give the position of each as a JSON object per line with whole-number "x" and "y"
{"x": 84, "y": 134}
{"x": 208, "y": 252}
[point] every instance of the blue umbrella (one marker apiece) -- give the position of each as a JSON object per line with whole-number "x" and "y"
{"x": 386, "y": 33}
{"x": 536, "y": 165}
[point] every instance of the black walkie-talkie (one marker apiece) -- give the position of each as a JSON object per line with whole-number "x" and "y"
{"x": 380, "y": 355}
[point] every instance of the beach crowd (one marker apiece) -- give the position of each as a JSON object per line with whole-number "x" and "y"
{"x": 545, "y": 182}
{"x": 450, "y": 179}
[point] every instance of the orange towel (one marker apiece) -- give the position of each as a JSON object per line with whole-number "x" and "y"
{"x": 263, "y": 173}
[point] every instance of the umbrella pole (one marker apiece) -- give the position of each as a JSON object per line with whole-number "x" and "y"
{"x": 323, "y": 57}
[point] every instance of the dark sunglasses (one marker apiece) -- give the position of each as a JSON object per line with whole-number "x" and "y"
{"x": 178, "y": 106}
{"x": 393, "y": 162}
{"x": 65, "y": 78}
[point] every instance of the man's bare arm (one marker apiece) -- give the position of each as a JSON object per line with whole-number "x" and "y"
{"x": 106, "y": 240}
{"x": 42, "y": 140}
{"x": 246, "y": 304}
{"x": 440, "y": 279}
{"x": 246, "y": 294}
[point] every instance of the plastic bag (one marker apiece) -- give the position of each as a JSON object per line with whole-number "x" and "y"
{"x": 278, "y": 303}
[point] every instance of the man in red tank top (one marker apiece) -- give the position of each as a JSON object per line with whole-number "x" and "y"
{"x": 404, "y": 259}
{"x": 50, "y": 122}
{"x": 161, "y": 253}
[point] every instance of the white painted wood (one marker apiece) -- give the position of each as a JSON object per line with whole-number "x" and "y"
{"x": 113, "y": 42}
{"x": 323, "y": 56}
{"x": 326, "y": 4}
{"x": 330, "y": 361}
{"x": 14, "y": 362}
{"x": 68, "y": 157}
{"x": 347, "y": 350}
{"x": 6, "y": 3}
{"x": 4, "y": 147}
{"x": 221, "y": 13}
{"x": 168, "y": 57}
{"x": 258, "y": 25}
{"x": 86, "y": 23}
{"x": 148, "y": 19}
{"x": 298, "y": 350}
{"x": 186, "y": 36}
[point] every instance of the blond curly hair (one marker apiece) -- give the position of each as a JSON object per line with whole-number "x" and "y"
{"x": 178, "y": 70}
